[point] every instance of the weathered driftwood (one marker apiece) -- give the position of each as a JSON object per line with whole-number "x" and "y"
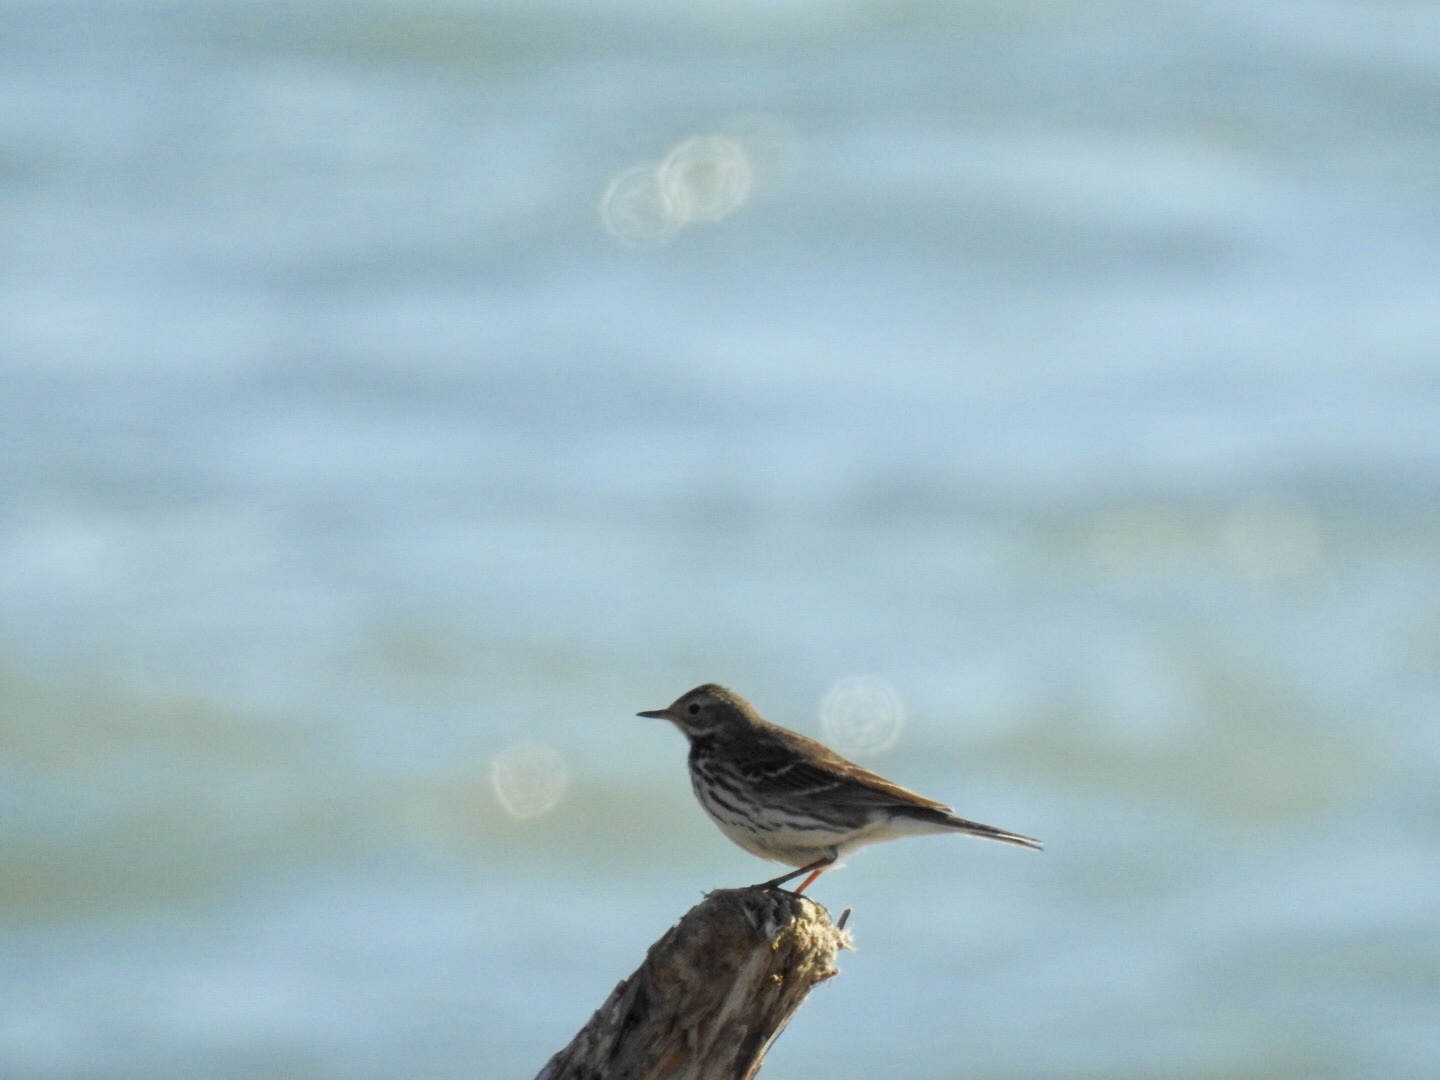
{"x": 712, "y": 994}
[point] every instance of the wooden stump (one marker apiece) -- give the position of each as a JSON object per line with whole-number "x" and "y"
{"x": 712, "y": 994}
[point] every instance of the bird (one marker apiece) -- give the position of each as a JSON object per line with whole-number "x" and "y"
{"x": 789, "y": 799}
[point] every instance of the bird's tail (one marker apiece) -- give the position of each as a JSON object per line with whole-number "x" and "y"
{"x": 974, "y": 828}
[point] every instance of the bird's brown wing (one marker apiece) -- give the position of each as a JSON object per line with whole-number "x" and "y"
{"x": 788, "y": 763}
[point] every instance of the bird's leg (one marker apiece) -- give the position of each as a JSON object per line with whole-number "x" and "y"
{"x": 809, "y": 880}
{"x": 814, "y": 869}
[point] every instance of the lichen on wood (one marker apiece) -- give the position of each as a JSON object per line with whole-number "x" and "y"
{"x": 712, "y": 994}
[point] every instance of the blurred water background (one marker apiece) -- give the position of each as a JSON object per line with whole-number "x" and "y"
{"x": 395, "y": 397}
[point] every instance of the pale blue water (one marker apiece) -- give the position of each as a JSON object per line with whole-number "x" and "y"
{"x": 1073, "y": 369}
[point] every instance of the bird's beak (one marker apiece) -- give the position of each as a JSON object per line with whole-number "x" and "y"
{"x": 656, "y": 714}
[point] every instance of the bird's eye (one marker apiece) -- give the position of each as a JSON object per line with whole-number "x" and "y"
{"x": 693, "y": 708}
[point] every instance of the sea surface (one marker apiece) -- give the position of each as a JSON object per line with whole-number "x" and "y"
{"x": 1040, "y": 402}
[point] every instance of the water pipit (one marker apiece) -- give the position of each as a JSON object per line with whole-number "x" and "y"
{"x": 787, "y": 798}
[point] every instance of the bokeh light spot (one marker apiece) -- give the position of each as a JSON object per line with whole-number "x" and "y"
{"x": 705, "y": 178}
{"x": 635, "y": 209}
{"x": 529, "y": 779}
{"x": 862, "y": 714}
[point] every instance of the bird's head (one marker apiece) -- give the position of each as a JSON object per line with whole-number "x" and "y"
{"x": 706, "y": 711}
